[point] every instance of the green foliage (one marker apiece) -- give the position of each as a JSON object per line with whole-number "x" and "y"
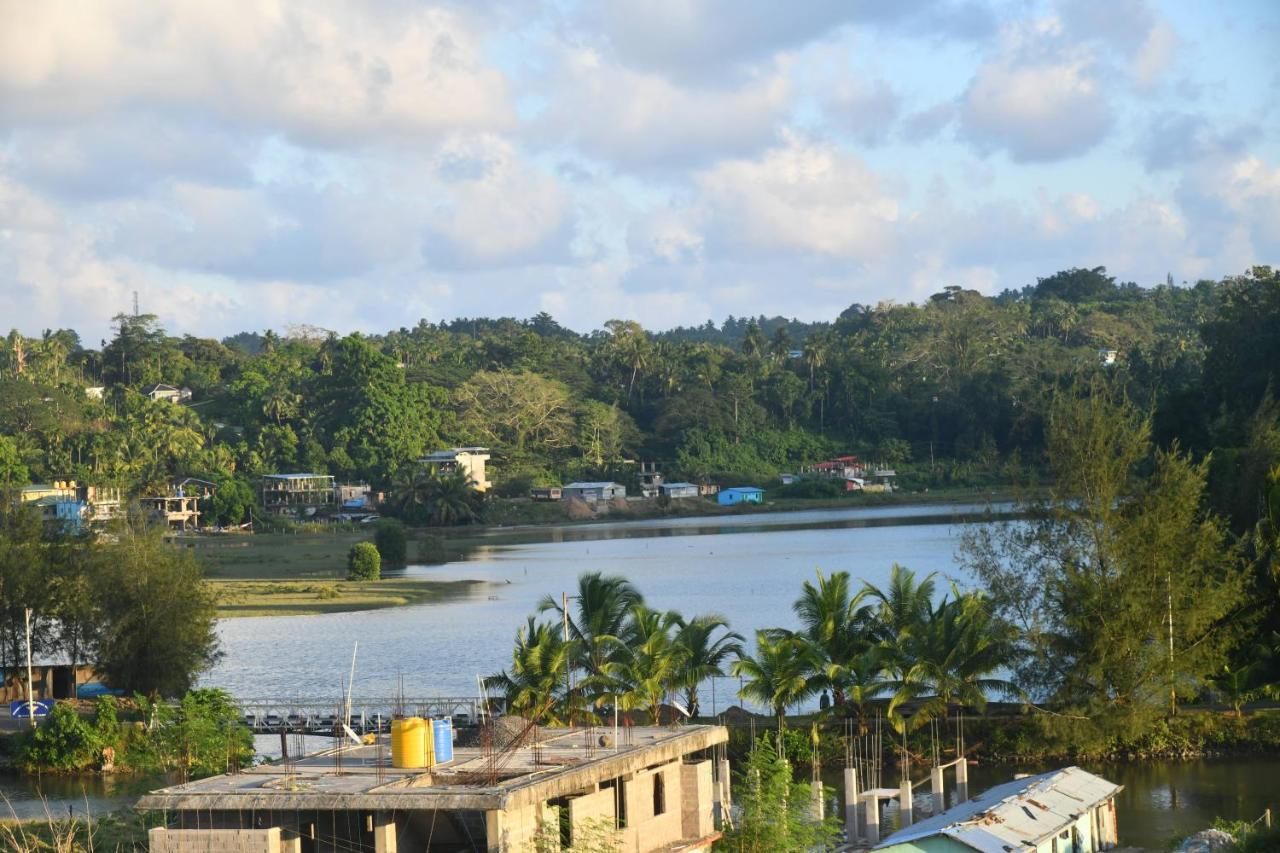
{"x": 201, "y": 735}
{"x": 391, "y": 541}
{"x": 364, "y": 563}
{"x": 157, "y": 614}
{"x": 1094, "y": 579}
{"x": 775, "y": 813}
{"x": 13, "y": 473}
{"x": 233, "y": 501}
{"x": 63, "y": 742}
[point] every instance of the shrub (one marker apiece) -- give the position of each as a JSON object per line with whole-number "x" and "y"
{"x": 363, "y": 562}
{"x": 392, "y": 543}
{"x": 64, "y": 742}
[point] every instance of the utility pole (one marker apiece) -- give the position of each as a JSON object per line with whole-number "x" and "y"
{"x": 568, "y": 667}
{"x": 31, "y": 705}
{"x": 1173, "y": 690}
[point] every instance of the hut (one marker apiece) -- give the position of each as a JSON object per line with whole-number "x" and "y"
{"x": 679, "y": 490}
{"x": 740, "y": 495}
{"x": 593, "y": 492}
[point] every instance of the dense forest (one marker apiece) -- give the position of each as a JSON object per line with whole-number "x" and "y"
{"x": 953, "y": 390}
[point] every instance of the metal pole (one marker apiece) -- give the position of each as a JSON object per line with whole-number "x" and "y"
{"x": 568, "y": 668}
{"x": 31, "y": 704}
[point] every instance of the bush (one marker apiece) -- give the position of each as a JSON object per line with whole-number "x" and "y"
{"x": 392, "y": 543}
{"x": 63, "y": 742}
{"x": 363, "y": 562}
{"x": 809, "y": 489}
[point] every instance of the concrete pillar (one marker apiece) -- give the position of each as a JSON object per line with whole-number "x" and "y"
{"x": 819, "y": 801}
{"x": 871, "y": 815}
{"x": 939, "y": 795}
{"x": 850, "y": 804}
{"x": 724, "y": 782}
{"x": 962, "y": 781}
{"x": 384, "y": 833}
{"x": 905, "y": 806}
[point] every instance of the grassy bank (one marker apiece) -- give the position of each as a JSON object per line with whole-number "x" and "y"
{"x": 124, "y": 831}
{"x": 299, "y": 598}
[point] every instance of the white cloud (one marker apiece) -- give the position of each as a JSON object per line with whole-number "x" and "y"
{"x": 1037, "y": 105}
{"x": 803, "y": 196}
{"x": 330, "y": 72}
{"x": 636, "y": 119}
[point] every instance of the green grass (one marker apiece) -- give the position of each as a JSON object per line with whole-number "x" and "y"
{"x": 277, "y": 555}
{"x": 300, "y": 598}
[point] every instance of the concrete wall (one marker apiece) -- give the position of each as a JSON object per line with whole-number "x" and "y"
{"x": 218, "y": 841}
{"x": 646, "y": 831}
{"x": 697, "y": 808}
{"x": 590, "y": 813}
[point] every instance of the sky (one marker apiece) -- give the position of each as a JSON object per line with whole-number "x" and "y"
{"x": 362, "y": 165}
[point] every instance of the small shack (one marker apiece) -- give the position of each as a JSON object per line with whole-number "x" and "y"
{"x": 679, "y": 490}
{"x": 740, "y": 495}
{"x": 546, "y": 493}
{"x": 593, "y": 492}
{"x": 1062, "y": 810}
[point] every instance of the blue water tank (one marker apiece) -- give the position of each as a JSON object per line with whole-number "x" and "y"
{"x": 442, "y": 733}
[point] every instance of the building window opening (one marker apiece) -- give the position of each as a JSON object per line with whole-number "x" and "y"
{"x": 659, "y": 794}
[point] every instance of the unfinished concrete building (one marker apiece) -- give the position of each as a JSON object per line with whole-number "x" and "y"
{"x": 657, "y": 790}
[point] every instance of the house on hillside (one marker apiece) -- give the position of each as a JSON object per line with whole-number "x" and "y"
{"x": 679, "y": 490}
{"x": 169, "y": 394}
{"x": 593, "y": 492}
{"x": 297, "y": 494}
{"x": 1063, "y": 811}
{"x": 470, "y": 460}
{"x": 72, "y": 504}
{"x": 740, "y": 495}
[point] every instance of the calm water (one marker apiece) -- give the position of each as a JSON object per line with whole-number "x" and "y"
{"x": 747, "y": 568}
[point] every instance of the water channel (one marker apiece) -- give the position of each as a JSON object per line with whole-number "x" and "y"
{"x": 747, "y": 568}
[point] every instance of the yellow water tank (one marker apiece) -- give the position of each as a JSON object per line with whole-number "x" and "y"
{"x": 412, "y": 746}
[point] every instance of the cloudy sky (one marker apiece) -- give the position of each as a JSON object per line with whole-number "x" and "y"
{"x": 361, "y": 165}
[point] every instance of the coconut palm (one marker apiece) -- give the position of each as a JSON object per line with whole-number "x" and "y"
{"x": 862, "y": 680}
{"x": 452, "y": 499}
{"x": 951, "y": 659}
{"x": 705, "y": 653}
{"x": 604, "y": 603}
{"x": 836, "y": 624}
{"x": 648, "y": 663}
{"x": 535, "y": 685}
{"x": 782, "y": 673}
{"x": 904, "y": 606}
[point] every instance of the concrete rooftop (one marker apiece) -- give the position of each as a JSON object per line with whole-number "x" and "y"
{"x": 564, "y": 761}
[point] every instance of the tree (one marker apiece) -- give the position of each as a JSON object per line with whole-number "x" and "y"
{"x": 515, "y": 410}
{"x": 536, "y": 684}
{"x": 233, "y": 501}
{"x": 392, "y": 543}
{"x": 158, "y": 614}
{"x": 363, "y": 562}
{"x": 648, "y": 664}
{"x": 1121, "y": 586}
{"x": 604, "y": 602}
{"x": 705, "y": 654}
{"x": 13, "y": 473}
{"x": 781, "y": 673}
{"x": 836, "y": 625}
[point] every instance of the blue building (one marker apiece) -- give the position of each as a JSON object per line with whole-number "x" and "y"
{"x": 741, "y": 495}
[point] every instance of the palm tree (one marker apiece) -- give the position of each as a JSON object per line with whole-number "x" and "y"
{"x": 952, "y": 656}
{"x": 862, "y": 680}
{"x": 904, "y": 607}
{"x": 780, "y": 674}
{"x": 836, "y": 624}
{"x": 536, "y": 684}
{"x": 604, "y": 604}
{"x": 452, "y": 499}
{"x": 649, "y": 663}
{"x": 705, "y": 654}
{"x": 411, "y": 493}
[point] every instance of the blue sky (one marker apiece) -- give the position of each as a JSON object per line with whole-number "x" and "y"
{"x": 357, "y": 165}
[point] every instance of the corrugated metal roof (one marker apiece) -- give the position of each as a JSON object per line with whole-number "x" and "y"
{"x": 601, "y": 485}
{"x": 296, "y": 476}
{"x": 1010, "y": 816}
{"x": 742, "y": 489}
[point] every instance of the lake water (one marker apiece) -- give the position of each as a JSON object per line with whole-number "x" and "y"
{"x": 747, "y": 568}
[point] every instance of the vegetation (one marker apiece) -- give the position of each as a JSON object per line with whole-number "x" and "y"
{"x": 304, "y": 598}
{"x": 392, "y": 542}
{"x": 364, "y": 563}
{"x": 775, "y": 813}
{"x": 137, "y": 608}
{"x": 199, "y": 735}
